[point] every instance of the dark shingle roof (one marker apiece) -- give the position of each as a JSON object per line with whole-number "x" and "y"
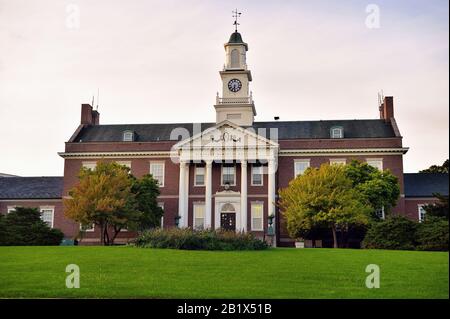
{"x": 235, "y": 38}
{"x": 425, "y": 184}
{"x": 31, "y": 187}
{"x": 286, "y": 130}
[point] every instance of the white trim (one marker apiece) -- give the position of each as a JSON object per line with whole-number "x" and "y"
{"x": 338, "y": 161}
{"x": 252, "y": 204}
{"x": 262, "y": 175}
{"x": 378, "y": 160}
{"x": 92, "y": 165}
{"x": 195, "y": 176}
{"x": 343, "y": 151}
{"x": 300, "y": 160}
{"x": 88, "y": 230}
{"x": 124, "y": 163}
{"x": 221, "y": 174}
{"x": 50, "y": 208}
{"x": 160, "y": 183}
{"x": 10, "y": 209}
{"x": 125, "y": 154}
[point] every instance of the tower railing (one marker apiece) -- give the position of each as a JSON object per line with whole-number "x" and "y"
{"x": 234, "y": 100}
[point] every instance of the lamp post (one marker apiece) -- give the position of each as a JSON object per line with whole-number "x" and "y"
{"x": 177, "y": 220}
{"x": 270, "y": 231}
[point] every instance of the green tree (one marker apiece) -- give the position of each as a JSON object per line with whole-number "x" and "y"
{"x": 437, "y": 168}
{"x": 439, "y": 209}
{"x": 24, "y": 227}
{"x": 381, "y": 188}
{"x": 146, "y": 192}
{"x": 323, "y": 197}
{"x": 103, "y": 197}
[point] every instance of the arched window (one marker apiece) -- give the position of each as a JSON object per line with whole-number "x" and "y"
{"x": 235, "y": 58}
{"x": 128, "y": 136}
{"x": 228, "y": 208}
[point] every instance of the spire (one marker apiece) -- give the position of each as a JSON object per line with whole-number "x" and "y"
{"x": 236, "y": 15}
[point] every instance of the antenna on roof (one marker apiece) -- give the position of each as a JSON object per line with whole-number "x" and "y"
{"x": 92, "y": 100}
{"x": 98, "y": 98}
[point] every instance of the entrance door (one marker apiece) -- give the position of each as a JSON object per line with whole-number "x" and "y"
{"x": 228, "y": 217}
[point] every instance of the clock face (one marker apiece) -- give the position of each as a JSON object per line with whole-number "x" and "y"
{"x": 234, "y": 85}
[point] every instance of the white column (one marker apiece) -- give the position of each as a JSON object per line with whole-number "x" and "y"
{"x": 208, "y": 194}
{"x": 243, "y": 195}
{"x": 271, "y": 193}
{"x": 186, "y": 197}
{"x": 181, "y": 194}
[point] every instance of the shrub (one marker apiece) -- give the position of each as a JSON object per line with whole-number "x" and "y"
{"x": 432, "y": 234}
{"x": 24, "y": 227}
{"x": 396, "y": 232}
{"x": 198, "y": 240}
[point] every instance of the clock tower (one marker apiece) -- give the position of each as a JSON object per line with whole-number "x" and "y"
{"x": 236, "y": 103}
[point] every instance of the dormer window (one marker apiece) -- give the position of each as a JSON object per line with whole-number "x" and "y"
{"x": 337, "y": 132}
{"x": 128, "y": 136}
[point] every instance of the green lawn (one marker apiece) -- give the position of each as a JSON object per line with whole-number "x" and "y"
{"x": 122, "y": 272}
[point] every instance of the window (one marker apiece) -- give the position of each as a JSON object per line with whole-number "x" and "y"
{"x": 257, "y": 216}
{"x": 157, "y": 171}
{"x": 234, "y": 58}
{"x": 11, "y": 209}
{"x": 422, "y": 213}
{"x": 47, "y": 215}
{"x": 199, "y": 178}
{"x": 300, "y": 166}
{"x": 337, "y": 132}
{"x": 199, "y": 216}
{"x": 90, "y": 165}
{"x": 87, "y": 228}
{"x": 161, "y": 205}
{"x": 257, "y": 175}
{"x": 228, "y": 175}
{"x": 380, "y": 213}
{"x": 375, "y": 162}
{"x": 128, "y": 136}
{"x": 338, "y": 161}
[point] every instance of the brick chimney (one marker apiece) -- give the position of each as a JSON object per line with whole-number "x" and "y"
{"x": 387, "y": 108}
{"x": 89, "y": 116}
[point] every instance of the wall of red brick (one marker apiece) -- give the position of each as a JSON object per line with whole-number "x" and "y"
{"x": 412, "y": 206}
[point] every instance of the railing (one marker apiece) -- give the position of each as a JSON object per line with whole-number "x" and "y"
{"x": 234, "y": 100}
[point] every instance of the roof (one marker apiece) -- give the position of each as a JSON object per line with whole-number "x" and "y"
{"x": 46, "y": 187}
{"x": 235, "y": 38}
{"x": 286, "y": 130}
{"x": 6, "y": 175}
{"x": 425, "y": 184}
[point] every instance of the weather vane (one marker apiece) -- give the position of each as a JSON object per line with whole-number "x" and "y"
{"x": 236, "y": 15}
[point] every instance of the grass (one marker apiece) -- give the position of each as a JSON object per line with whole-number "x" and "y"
{"x": 129, "y": 272}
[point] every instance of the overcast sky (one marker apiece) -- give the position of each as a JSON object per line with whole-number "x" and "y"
{"x": 158, "y": 62}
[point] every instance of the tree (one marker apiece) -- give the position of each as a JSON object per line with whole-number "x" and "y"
{"x": 436, "y": 168}
{"x": 323, "y": 196}
{"x": 381, "y": 188}
{"x": 103, "y": 197}
{"x": 146, "y": 192}
{"x": 24, "y": 227}
{"x": 439, "y": 209}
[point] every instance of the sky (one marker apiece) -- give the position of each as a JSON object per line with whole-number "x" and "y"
{"x": 158, "y": 62}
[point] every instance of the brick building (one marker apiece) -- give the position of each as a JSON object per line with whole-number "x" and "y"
{"x": 226, "y": 173}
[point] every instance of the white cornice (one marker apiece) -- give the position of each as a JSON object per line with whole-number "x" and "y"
{"x": 143, "y": 154}
{"x": 342, "y": 151}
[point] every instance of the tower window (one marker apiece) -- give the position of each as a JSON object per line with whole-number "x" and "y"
{"x": 337, "y": 132}
{"x": 128, "y": 136}
{"x": 235, "y": 58}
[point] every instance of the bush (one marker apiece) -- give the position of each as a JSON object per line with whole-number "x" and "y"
{"x": 24, "y": 227}
{"x": 198, "y": 240}
{"x": 432, "y": 234}
{"x": 396, "y": 232}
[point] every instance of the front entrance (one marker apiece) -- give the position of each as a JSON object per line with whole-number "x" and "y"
{"x": 228, "y": 217}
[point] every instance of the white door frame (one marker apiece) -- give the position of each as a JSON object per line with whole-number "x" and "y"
{"x": 222, "y": 198}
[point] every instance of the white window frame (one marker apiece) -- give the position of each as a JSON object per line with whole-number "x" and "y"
{"x": 370, "y": 162}
{"x": 128, "y": 136}
{"x": 308, "y": 161}
{"x": 161, "y": 205}
{"x": 88, "y": 230}
{"x": 89, "y": 165}
{"x": 338, "y": 161}
{"x": 252, "y": 212}
{"x": 338, "y": 129}
{"x": 195, "y": 176}
{"x": 10, "y": 209}
{"x": 160, "y": 183}
{"x": 419, "y": 210}
{"x": 221, "y": 175}
{"x": 261, "y": 168}
{"x": 383, "y": 215}
{"x": 124, "y": 163}
{"x": 194, "y": 211}
{"x": 48, "y": 208}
